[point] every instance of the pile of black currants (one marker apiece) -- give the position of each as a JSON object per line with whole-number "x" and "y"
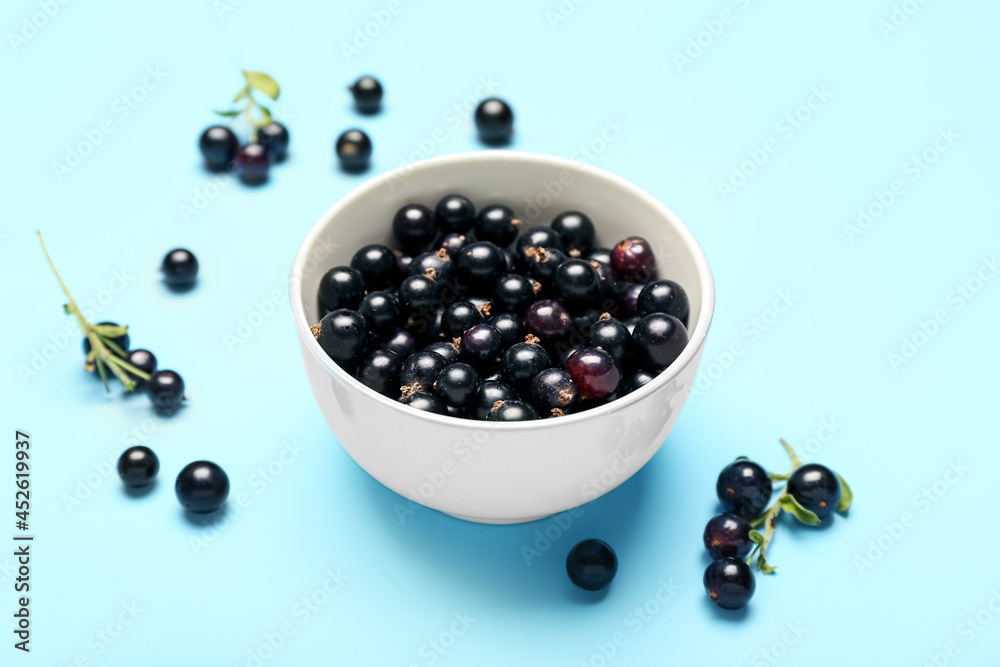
{"x": 812, "y": 494}
{"x": 473, "y": 316}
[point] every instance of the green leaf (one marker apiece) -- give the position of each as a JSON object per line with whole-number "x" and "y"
{"x": 764, "y": 567}
{"x": 228, "y": 114}
{"x": 263, "y": 83}
{"x": 792, "y": 506}
{"x": 742, "y": 458}
{"x": 265, "y": 115}
{"x": 846, "y": 496}
{"x": 244, "y": 92}
{"x": 756, "y": 537}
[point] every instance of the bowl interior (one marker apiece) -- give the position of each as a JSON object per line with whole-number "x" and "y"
{"x": 536, "y": 187}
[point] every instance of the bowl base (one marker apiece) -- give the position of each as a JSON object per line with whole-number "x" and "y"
{"x": 497, "y": 522}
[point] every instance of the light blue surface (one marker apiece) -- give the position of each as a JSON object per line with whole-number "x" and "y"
{"x": 210, "y": 594}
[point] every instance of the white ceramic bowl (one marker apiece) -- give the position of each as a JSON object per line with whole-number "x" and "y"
{"x": 501, "y": 472}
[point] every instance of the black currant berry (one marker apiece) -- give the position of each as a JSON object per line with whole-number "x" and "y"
{"x": 138, "y": 466}
{"x": 457, "y": 385}
{"x": 426, "y": 401}
{"x": 421, "y": 369}
{"x": 633, "y": 260}
{"x": 523, "y": 361}
{"x": 401, "y": 342}
{"x": 547, "y": 319}
{"x": 576, "y": 232}
{"x": 479, "y": 266}
{"x": 354, "y": 150}
{"x": 274, "y": 138}
{"x": 180, "y": 268}
{"x": 367, "y": 92}
{"x": 251, "y": 163}
{"x": 611, "y": 336}
{"x": 459, "y": 317}
{"x": 498, "y": 225}
{"x": 377, "y": 264}
{"x": 513, "y": 293}
{"x": 664, "y": 296}
{"x": 481, "y": 347}
{"x": 592, "y": 565}
{"x": 453, "y": 243}
{"x": 495, "y": 121}
{"x": 447, "y": 350}
{"x": 218, "y": 146}
{"x": 628, "y": 300}
{"x": 342, "y": 287}
{"x": 414, "y": 226}
{"x": 543, "y": 262}
{"x": 491, "y": 391}
{"x": 121, "y": 341}
{"x": 419, "y": 293}
{"x": 512, "y": 411}
{"x": 577, "y": 284}
{"x": 343, "y": 335}
{"x": 455, "y": 213}
{"x": 816, "y": 487}
{"x": 435, "y": 265}
{"x": 166, "y": 390}
{"x": 729, "y": 583}
{"x": 202, "y": 487}
{"x": 553, "y": 388}
{"x": 144, "y": 360}
{"x": 744, "y": 488}
{"x": 510, "y": 327}
{"x": 728, "y": 536}
{"x": 381, "y": 311}
{"x": 537, "y": 237}
{"x": 638, "y": 380}
{"x": 380, "y": 371}
{"x": 658, "y": 340}
{"x": 595, "y": 373}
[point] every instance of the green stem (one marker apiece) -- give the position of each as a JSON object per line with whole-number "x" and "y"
{"x": 770, "y": 517}
{"x": 796, "y": 463}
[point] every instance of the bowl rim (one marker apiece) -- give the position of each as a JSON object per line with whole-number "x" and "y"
{"x": 696, "y": 337}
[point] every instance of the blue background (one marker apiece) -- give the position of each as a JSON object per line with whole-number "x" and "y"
{"x": 819, "y": 373}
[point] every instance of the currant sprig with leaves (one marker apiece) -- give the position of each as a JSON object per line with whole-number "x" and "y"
{"x": 787, "y": 503}
{"x": 104, "y": 353}
{"x": 257, "y": 115}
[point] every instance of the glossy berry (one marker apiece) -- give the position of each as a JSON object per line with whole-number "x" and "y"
{"x": 491, "y": 391}
{"x": 744, "y": 488}
{"x": 403, "y": 262}
{"x": 202, "y": 487}
{"x": 342, "y": 287}
{"x": 595, "y": 373}
{"x": 354, "y": 150}
{"x": 425, "y": 401}
{"x": 658, "y": 340}
{"x": 455, "y": 213}
{"x": 729, "y": 583}
{"x": 523, "y": 361}
{"x": 542, "y": 263}
{"x": 513, "y": 293}
{"x": 251, "y": 163}
{"x": 510, "y": 328}
{"x": 633, "y": 260}
{"x": 343, "y": 335}
{"x": 367, "y": 92}
{"x": 180, "y": 268}
{"x": 592, "y": 565}
{"x": 435, "y": 265}
{"x": 459, "y": 317}
{"x": 445, "y": 349}
{"x": 480, "y": 264}
{"x": 664, "y": 296}
{"x": 453, "y": 243}
{"x": 481, "y": 347}
{"x": 427, "y": 325}
{"x": 576, "y": 232}
{"x": 218, "y": 146}
{"x": 498, "y": 225}
{"x": 142, "y": 359}
{"x": 512, "y": 411}
{"x": 138, "y": 466}
{"x": 553, "y": 388}
{"x": 628, "y": 300}
{"x": 401, "y": 342}
{"x": 602, "y": 255}
{"x": 422, "y": 369}
{"x": 457, "y": 385}
{"x": 728, "y": 536}
{"x": 495, "y": 121}
{"x": 166, "y": 390}
{"x": 274, "y": 138}
{"x": 537, "y": 237}
{"x": 576, "y": 284}
{"x": 638, "y": 380}
{"x": 419, "y": 293}
{"x": 611, "y": 336}
{"x": 380, "y": 371}
{"x": 381, "y": 311}
{"x": 547, "y": 319}
{"x": 121, "y": 341}
{"x": 377, "y": 264}
{"x": 816, "y": 487}
{"x": 414, "y": 226}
